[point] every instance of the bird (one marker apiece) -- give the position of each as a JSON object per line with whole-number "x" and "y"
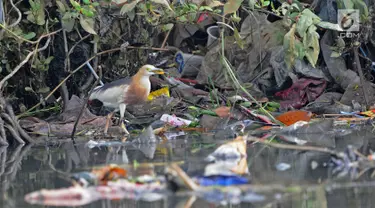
{"x": 120, "y": 93}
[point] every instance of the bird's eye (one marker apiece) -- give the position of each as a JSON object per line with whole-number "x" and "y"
{"x": 148, "y": 69}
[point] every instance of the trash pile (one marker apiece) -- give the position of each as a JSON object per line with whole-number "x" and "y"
{"x": 283, "y": 74}
{"x": 261, "y": 87}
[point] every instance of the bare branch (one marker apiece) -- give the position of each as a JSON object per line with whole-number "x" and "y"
{"x": 3, "y": 141}
{"x": 15, "y": 134}
{"x": 17, "y": 126}
{"x": 19, "y": 15}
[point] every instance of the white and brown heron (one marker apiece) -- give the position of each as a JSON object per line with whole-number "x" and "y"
{"x": 127, "y": 91}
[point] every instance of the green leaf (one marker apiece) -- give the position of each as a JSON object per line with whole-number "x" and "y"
{"x": 335, "y": 54}
{"x": 311, "y": 44}
{"x": 266, "y": 3}
{"x": 215, "y": 3}
{"x": 29, "y": 35}
{"x": 208, "y": 112}
{"x": 48, "y": 60}
{"x": 131, "y": 15}
{"x": 293, "y": 15}
{"x": 235, "y": 18}
{"x": 193, "y": 7}
{"x": 29, "y": 89}
{"x": 232, "y": 6}
{"x": 300, "y": 49}
{"x": 238, "y": 38}
{"x": 344, "y": 4}
{"x": 68, "y": 22}
{"x": 61, "y": 6}
{"x": 36, "y": 14}
{"x": 309, "y": 13}
{"x": 362, "y": 7}
{"x": 252, "y": 4}
{"x": 205, "y": 8}
{"x": 296, "y": 5}
{"x": 273, "y": 104}
{"x": 289, "y": 47}
{"x": 44, "y": 90}
{"x": 284, "y": 7}
{"x": 303, "y": 23}
{"x": 76, "y": 5}
{"x": 330, "y": 26}
{"x": 164, "y": 3}
{"x": 86, "y": 2}
{"x": 87, "y": 24}
{"x": 87, "y": 12}
{"x": 128, "y": 7}
{"x": 167, "y": 27}
{"x": 95, "y": 4}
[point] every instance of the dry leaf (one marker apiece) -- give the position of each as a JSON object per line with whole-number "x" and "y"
{"x": 232, "y": 6}
{"x": 223, "y": 111}
{"x": 292, "y": 117}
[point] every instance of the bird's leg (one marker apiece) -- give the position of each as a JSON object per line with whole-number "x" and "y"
{"x": 109, "y": 117}
{"x": 122, "y": 112}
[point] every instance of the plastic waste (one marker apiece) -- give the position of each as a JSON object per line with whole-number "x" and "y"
{"x": 157, "y": 93}
{"x": 188, "y": 64}
{"x": 283, "y": 166}
{"x": 174, "y": 120}
{"x": 213, "y": 34}
{"x": 222, "y": 180}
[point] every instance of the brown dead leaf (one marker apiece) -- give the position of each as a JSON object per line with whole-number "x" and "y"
{"x": 292, "y": 117}
{"x": 222, "y": 111}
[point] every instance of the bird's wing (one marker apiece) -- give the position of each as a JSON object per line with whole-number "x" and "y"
{"x": 112, "y": 92}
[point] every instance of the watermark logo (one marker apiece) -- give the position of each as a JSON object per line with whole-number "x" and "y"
{"x": 348, "y": 19}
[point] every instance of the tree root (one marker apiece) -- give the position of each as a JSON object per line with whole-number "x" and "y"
{"x": 9, "y": 121}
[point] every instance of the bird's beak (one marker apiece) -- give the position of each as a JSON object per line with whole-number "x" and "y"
{"x": 158, "y": 71}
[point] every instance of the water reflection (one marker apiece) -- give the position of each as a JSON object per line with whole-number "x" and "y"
{"x": 25, "y": 169}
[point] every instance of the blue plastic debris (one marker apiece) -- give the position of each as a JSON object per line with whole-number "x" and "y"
{"x": 222, "y": 180}
{"x": 179, "y": 59}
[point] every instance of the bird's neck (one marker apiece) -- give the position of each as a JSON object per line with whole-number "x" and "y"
{"x": 143, "y": 80}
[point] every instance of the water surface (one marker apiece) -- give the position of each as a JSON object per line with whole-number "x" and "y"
{"x": 25, "y": 169}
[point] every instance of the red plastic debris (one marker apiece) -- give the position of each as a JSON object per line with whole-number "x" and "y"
{"x": 301, "y": 92}
{"x": 202, "y": 17}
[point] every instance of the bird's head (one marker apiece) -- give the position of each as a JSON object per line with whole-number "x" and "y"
{"x": 148, "y": 70}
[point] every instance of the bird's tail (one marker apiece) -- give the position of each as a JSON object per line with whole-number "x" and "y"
{"x": 94, "y": 93}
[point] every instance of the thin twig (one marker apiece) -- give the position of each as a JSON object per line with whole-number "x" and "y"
{"x": 19, "y": 15}
{"x": 85, "y": 103}
{"x": 87, "y": 83}
{"x": 294, "y": 147}
{"x": 166, "y": 38}
{"x": 63, "y": 89}
{"x": 360, "y": 72}
{"x": 72, "y": 49}
{"x": 18, "y": 67}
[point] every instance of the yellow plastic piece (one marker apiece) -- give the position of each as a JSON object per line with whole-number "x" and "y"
{"x": 157, "y": 93}
{"x": 370, "y": 113}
